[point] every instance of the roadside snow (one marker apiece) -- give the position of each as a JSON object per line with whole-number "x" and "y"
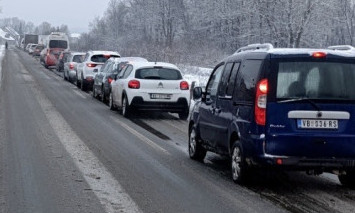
{"x": 2, "y": 53}
{"x": 198, "y": 74}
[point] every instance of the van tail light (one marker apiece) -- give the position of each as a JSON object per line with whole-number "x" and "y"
{"x": 260, "y": 102}
{"x": 110, "y": 80}
{"x": 184, "y": 85}
{"x": 319, "y": 55}
{"x": 71, "y": 66}
{"x": 134, "y": 84}
{"x": 91, "y": 65}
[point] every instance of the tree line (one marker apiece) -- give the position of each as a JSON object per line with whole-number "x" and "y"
{"x": 201, "y": 32}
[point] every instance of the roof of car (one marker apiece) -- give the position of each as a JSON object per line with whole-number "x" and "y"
{"x": 153, "y": 64}
{"x": 262, "y": 50}
{"x": 97, "y": 52}
{"x": 128, "y": 59}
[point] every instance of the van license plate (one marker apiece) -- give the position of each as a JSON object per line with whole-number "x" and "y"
{"x": 160, "y": 96}
{"x": 317, "y": 124}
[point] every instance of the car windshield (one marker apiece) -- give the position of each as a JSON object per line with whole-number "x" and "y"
{"x": 158, "y": 73}
{"x": 316, "y": 80}
{"x": 58, "y": 44}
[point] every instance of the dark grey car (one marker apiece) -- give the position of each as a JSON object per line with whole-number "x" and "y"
{"x": 108, "y": 73}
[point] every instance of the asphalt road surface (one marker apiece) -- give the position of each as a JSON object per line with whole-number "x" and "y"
{"x": 63, "y": 151}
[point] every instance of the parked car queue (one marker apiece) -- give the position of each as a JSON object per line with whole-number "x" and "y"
{"x": 263, "y": 107}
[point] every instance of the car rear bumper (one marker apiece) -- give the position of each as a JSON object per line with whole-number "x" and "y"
{"x": 180, "y": 106}
{"x": 303, "y": 163}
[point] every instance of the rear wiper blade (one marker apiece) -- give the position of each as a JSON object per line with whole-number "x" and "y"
{"x": 301, "y": 99}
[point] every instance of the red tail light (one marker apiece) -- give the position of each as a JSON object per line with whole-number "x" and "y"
{"x": 319, "y": 55}
{"x": 71, "y": 66}
{"x": 91, "y": 65}
{"x": 110, "y": 80}
{"x": 184, "y": 85}
{"x": 134, "y": 84}
{"x": 260, "y": 102}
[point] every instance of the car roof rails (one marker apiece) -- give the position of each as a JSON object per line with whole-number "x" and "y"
{"x": 342, "y": 47}
{"x": 251, "y": 47}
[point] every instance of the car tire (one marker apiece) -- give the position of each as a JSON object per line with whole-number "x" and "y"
{"x": 126, "y": 111}
{"x": 94, "y": 95}
{"x": 103, "y": 98}
{"x": 111, "y": 104}
{"x": 239, "y": 167}
{"x": 82, "y": 85}
{"x": 184, "y": 115}
{"x": 196, "y": 151}
{"x": 348, "y": 179}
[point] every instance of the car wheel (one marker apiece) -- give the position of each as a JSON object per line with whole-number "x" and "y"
{"x": 77, "y": 81}
{"x": 94, "y": 94}
{"x": 184, "y": 115}
{"x": 103, "y": 98}
{"x": 110, "y": 103}
{"x": 196, "y": 151}
{"x": 82, "y": 84}
{"x": 125, "y": 107}
{"x": 348, "y": 179}
{"x": 240, "y": 170}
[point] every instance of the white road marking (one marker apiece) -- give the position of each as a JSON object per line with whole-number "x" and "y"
{"x": 79, "y": 93}
{"x": 140, "y": 136}
{"x": 108, "y": 190}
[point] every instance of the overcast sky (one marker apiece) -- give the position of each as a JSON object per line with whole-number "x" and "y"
{"x": 77, "y": 14}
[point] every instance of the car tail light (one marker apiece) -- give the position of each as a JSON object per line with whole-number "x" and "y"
{"x": 71, "y": 66}
{"x": 319, "y": 55}
{"x": 260, "y": 102}
{"x": 184, "y": 85}
{"x": 110, "y": 80}
{"x": 91, "y": 65}
{"x": 134, "y": 84}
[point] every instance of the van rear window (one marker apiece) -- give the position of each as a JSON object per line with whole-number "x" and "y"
{"x": 316, "y": 80}
{"x": 58, "y": 44}
{"x": 158, "y": 73}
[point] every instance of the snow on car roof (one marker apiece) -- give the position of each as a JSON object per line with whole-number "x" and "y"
{"x": 153, "y": 64}
{"x": 129, "y": 59}
{"x": 302, "y": 51}
{"x": 104, "y": 52}
{"x": 295, "y": 51}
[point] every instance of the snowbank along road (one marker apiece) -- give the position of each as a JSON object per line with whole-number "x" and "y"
{"x": 63, "y": 151}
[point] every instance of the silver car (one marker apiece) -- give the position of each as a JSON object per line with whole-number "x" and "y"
{"x": 70, "y": 62}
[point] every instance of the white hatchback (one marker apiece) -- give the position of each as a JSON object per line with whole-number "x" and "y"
{"x": 150, "y": 86}
{"x": 93, "y": 60}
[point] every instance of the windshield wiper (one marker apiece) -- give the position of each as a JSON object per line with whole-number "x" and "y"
{"x": 302, "y": 99}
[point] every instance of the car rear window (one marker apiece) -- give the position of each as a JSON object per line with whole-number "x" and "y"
{"x": 58, "y": 44}
{"x": 101, "y": 58}
{"x": 78, "y": 58}
{"x": 316, "y": 80}
{"x": 158, "y": 73}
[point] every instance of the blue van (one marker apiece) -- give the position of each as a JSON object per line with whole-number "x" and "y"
{"x": 279, "y": 108}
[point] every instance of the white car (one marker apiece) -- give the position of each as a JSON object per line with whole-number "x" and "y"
{"x": 70, "y": 63}
{"x": 150, "y": 86}
{"x": 93, "y": 60}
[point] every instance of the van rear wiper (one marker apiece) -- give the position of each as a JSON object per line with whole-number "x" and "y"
{"x": 301, "y": 99}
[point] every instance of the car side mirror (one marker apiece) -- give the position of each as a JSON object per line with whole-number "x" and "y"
{"x": 197, "y": 93}
{"x": 95, "y": 70}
